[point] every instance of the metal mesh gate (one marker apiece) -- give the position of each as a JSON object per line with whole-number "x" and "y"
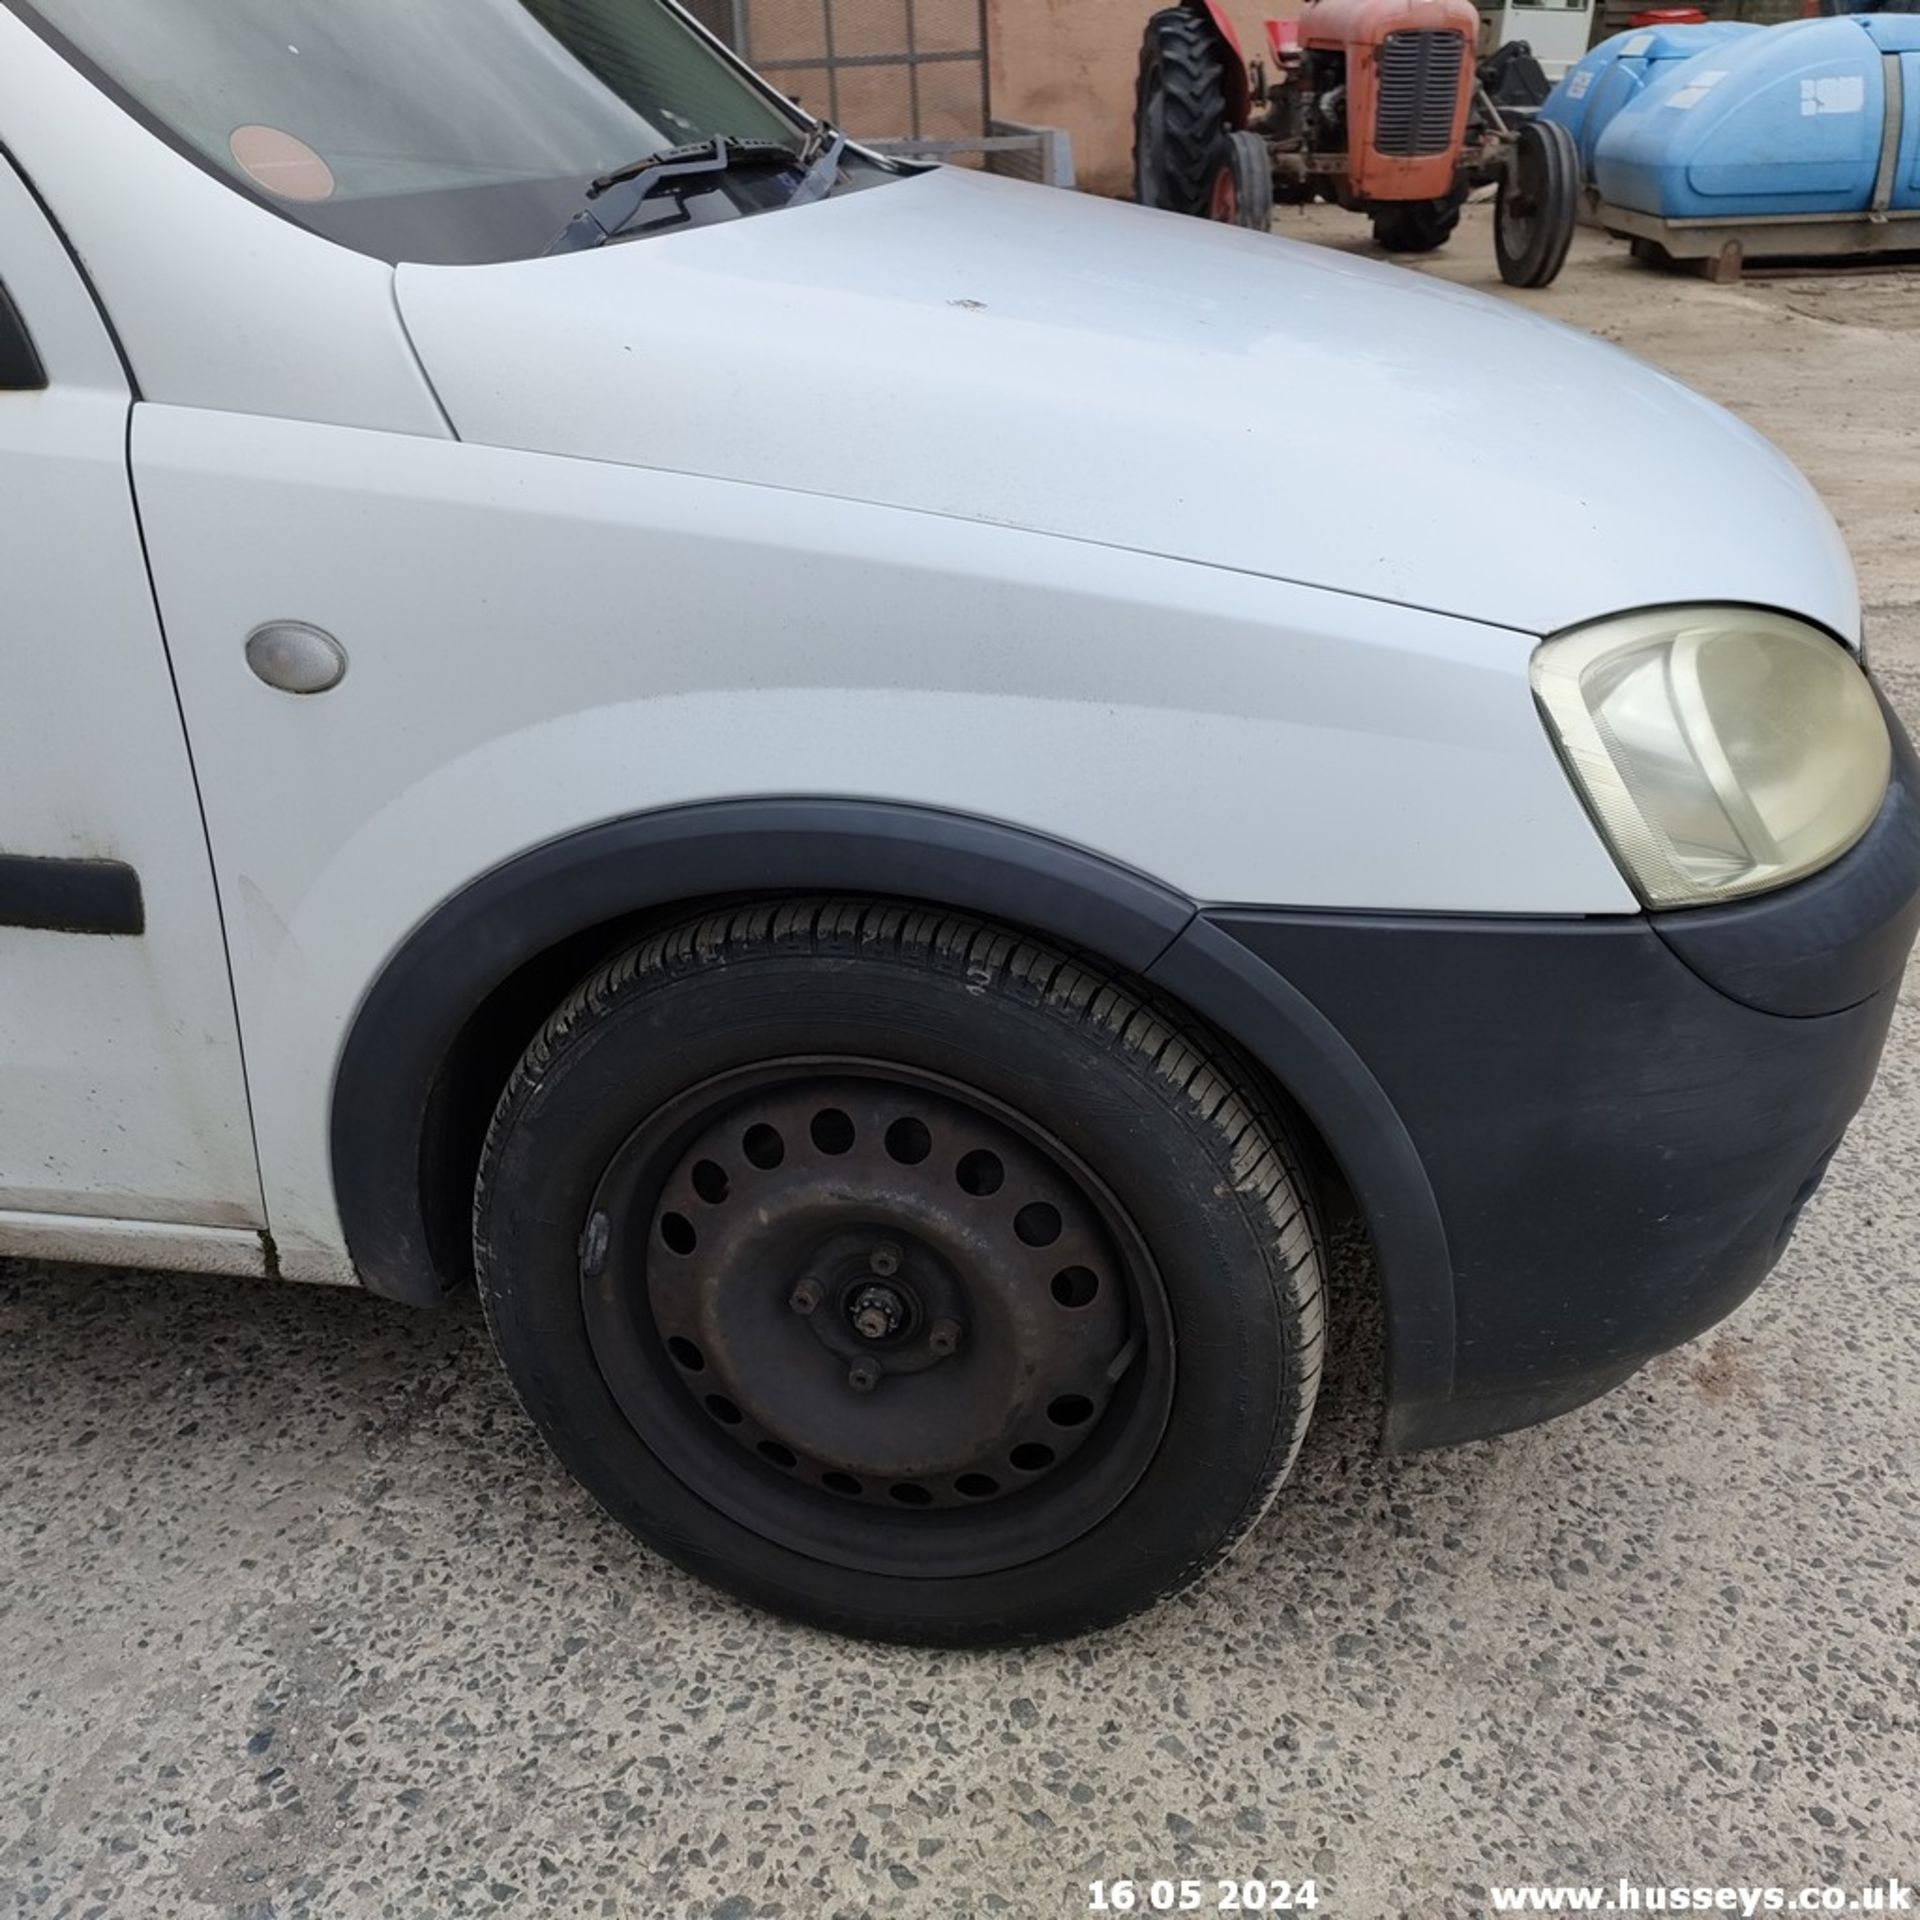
{"x": 883, "y": 69}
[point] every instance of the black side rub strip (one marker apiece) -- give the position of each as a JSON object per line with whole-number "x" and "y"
{"x": 70, "y": 896}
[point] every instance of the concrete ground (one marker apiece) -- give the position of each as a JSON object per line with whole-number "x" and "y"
{"x": 299, "y": 1619}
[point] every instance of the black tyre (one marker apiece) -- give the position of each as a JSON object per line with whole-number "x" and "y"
{"x": 899, "y": 1273}
{"x": 1538, "y": 205}
{"x": 1180, "y": 112}
{"x": 1242, "y": 190}
{"x": 1417, "y": 226}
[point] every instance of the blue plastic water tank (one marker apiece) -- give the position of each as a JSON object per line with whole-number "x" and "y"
{"x": 1787, "y": 120}
{"x": 1589, "y": 94}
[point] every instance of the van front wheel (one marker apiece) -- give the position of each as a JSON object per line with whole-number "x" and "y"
{"x": 900, "y": 1273}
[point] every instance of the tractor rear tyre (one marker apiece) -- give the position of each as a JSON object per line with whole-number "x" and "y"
{"x": 1417, "y": 226}
{"x": 1180, "y": 113}
{"x": 1242, "y": 190}
{"x": 1538, "y": 205}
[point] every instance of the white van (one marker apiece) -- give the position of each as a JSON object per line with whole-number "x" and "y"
{"x": 862, "y": 790}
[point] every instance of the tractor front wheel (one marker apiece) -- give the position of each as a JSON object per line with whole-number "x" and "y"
{"x": 1242, "y": 190}
{"x": 1417, "y": 226}
{"x": 1538, "y": 205}
{"x": 1180, "y": 113}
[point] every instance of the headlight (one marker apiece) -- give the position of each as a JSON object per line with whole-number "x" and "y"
{"x": 1722, "y": 751}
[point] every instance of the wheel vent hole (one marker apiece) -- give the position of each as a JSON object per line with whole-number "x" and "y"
{"x": 980, "y": 1173}
{"x": 909, "y": 1142}
{"x": 677, "y": 1231}
{"x": 1038, "y": 1224}
{"x": 1076, "y": 1286}
{"x": 1071, "y": 1410}
{"x": 687, "y": 1355}
{"x": 910, "y": 1494}
{"x": 977, "y": 1486}
{"x": 1032, "y": 1457}
{"x": 710, "y": 1181}
{"x": 832, "y": 1131}
{"x": 843, "y": 1483}
{"x": 723, "y": 1409}
{"x": 763, "y": 1147}
{"x": 774, "y": 1451}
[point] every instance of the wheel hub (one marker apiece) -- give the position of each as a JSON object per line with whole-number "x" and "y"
{"x": 882, "y": 1301}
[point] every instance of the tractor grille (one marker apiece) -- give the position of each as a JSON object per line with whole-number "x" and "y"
{"x": 1419, "y": 90}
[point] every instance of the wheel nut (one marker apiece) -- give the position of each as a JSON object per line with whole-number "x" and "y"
{"x": 805, "y": 1298}
{"x": 863, "y": 1376}
{"x": 885, "y": 1260}
{"x": 943, "y": 1337}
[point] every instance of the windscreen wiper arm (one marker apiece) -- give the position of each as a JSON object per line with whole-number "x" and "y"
{"x": 593, "y": 227}
{"x": 826, "y": 147}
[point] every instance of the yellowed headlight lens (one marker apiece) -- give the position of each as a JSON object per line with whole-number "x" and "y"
{"x": 1723, "y": 751}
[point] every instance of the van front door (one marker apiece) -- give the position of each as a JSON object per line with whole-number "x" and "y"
{"x": 121, "y": 1091}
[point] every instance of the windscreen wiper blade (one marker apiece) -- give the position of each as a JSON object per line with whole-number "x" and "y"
{"x": 594, "y": 226}
{"x": 734, "y": 153}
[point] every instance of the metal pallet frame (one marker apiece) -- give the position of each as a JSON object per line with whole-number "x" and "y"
{"x": 1041, "y": 154}
{"x": 914, "y": 57}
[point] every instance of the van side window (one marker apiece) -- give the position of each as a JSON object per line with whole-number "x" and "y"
{"x": 20, "y": 368}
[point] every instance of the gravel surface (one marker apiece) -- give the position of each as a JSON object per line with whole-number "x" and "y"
{"x": 299, "y": 1619}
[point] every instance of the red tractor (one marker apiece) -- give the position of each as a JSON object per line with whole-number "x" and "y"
{"x": 1377, "y": 105}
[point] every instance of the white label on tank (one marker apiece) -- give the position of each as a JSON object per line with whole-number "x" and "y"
{"x": 1836, "y": 93}
{"x": 1636, "y": 46}
{"x": 1697, "y": 90}
{"x": 1578, "y": 83}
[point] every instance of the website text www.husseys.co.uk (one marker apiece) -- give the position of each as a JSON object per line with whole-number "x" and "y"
{"x": 1629, "y": 1896}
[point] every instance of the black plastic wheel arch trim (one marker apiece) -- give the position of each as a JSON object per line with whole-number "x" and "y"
{"x": 1228, "y": 983}
{"x": 413, "y": 1013}
{"x": 70, "y": 896}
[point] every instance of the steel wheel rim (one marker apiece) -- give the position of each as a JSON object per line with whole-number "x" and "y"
{"x": 1225, "y": 205}
{"x": 1519, "y": 207}
{"x": 1017, "y": 1324}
